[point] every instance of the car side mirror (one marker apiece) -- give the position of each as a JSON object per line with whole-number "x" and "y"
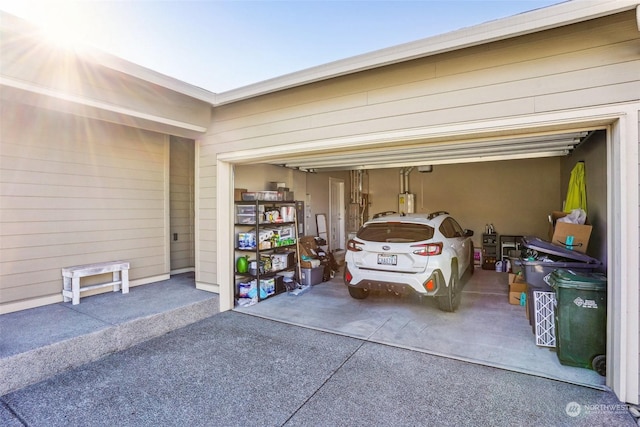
{"x": 468, "y": 233}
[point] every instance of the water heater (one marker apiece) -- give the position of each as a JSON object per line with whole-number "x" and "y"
{"x": 406, "y": 203}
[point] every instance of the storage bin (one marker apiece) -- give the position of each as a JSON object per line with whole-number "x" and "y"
{"x": 246, "y": 219}
{"x": 271, "y": 196}
{"x": 311, "y": 276}
{"x": 537, "y": 273}
{"x": 249, "y": 209}
{"x": 247, "y": 214}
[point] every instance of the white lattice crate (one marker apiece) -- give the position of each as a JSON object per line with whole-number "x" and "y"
{"x": 544, "y": 303}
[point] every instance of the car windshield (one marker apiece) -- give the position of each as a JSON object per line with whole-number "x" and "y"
{"x": 395, "y": 232}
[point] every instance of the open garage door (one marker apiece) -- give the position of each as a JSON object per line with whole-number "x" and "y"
{"x": 415, "y": 148}
{"x": 395, "y": 155}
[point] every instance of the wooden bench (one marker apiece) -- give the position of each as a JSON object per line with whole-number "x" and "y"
{"x": 71, "y": 278}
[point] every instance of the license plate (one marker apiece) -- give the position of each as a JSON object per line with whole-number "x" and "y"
{"x": 387, "y": 259}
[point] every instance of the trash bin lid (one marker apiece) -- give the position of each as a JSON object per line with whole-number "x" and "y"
{"x": 535, "y": 243}
{"x": 588, "y": 281}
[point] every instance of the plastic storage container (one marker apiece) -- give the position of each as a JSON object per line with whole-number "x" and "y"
{"x": 537, "y": 273}
{"x": 581, "y": 319}
{"x": 311, "y": 276}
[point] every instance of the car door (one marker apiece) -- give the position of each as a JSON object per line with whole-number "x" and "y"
{"x": 464, "y": 255}
{"x": 457, "y": 242}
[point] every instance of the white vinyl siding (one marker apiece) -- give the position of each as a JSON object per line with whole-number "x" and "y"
{"x": 76, "y": 191}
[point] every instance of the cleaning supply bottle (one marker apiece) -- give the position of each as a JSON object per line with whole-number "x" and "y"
{"x": 242, "y": 264}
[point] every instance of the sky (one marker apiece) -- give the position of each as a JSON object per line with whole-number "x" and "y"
{"x": 223, "y": 45}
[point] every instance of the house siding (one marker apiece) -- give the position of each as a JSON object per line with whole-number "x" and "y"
{"x": 581, "y": 65}
{"x": 66, "y": 73}
{"x": 206, "y": 267}
{"x": 576, "y": 66}
{"x": 182, "y": 203}
{"x": 76, "y": 191}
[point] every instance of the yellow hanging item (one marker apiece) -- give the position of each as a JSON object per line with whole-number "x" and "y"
{"x": 577, "y": 192}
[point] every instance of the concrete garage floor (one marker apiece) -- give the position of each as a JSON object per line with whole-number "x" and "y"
{"x": 486, "y": 329}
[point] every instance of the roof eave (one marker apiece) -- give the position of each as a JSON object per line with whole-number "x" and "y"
{"x": 555, "y": 16}
{"x": 146, "y": 74}
{"x": 95, "y": 56}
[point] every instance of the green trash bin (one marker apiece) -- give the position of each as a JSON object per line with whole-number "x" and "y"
{"x": 581, "y": 318}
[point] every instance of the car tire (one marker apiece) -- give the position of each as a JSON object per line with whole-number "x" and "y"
{"x": 451, "y": 301}
{"x": 358, "y": 293}
{"x": 599, "y": 364}
{"x": 472, "y": 261}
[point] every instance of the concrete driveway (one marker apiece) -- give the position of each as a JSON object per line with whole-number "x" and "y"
{"x": 236, "y": 369}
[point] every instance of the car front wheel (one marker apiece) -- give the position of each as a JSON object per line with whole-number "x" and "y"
{"x": 358, "y": 293}
{"x": 451, "y": 301}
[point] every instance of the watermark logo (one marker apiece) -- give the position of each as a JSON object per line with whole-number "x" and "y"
{"x": 573, "y": 409}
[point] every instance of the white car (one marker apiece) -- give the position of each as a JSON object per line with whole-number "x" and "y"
{"x": 424, "y": 253}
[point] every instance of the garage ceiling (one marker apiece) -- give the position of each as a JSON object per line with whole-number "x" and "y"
{"x": 432, "y": 153}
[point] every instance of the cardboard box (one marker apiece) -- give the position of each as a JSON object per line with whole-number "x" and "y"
{"x": 516, "y": 290}
{"x": 572, "y": 236}
{"x": 312, "y": 263}
{"x": 237, "y": 194}
{"x": 516, "y": 278}
{"x": 281, "y": 261}
{"x": 308, "y": 246}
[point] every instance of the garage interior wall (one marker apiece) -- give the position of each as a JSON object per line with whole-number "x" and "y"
{"x": 593, "y": 152}
{"x": 516, "y": 196}
{"x": 182, "y": 205}
{"x": 75, "y": 191}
